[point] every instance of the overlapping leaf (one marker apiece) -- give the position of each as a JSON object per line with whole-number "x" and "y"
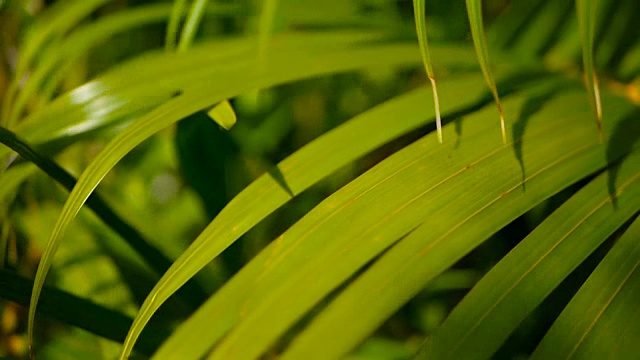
{"x": 51, "y": 25}
{"x": 146, "y": 82}
{"x": 256, "y": 308}
{"x": 300, "y": 171}
{"x": 255, "y": 305}
{"x": 602, "y": 319}
{"x": 152, "y": 256}
{"x": 459, "y": 216}
{"x": 57, "y": 61}
{"x": 243, "y": 78}
{"x": 494, "y": 307}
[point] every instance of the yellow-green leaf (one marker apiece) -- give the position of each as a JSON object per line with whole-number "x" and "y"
{"x": 223, "y": 114}
{"x": 57, "y": 20}
{"x": 535, "y": 267}
{"x": 191, "y": 26}
{"x": 171, "y": 37}
{"x": 224, "y": 84}
{"x": 300, "y": 171}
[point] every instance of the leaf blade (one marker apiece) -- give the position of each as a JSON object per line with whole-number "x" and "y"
{"x": 603, "y": 313}
{"x": 301, "y": 170}
{"x": 587, "y": 11}
{"x": 411, "y": 263}
{"x": 533, "y": 269}
{"x": 421, "y": 29}
{"x": 474, "y": 10}
{"x": 53, "y": 24}
{"x": 190, "y": 101}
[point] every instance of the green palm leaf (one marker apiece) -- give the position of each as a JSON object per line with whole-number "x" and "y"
{"x": 587, "y": 11}
{"x": 602, "y": 319}
{"x": 421, "y": 29}
{"x": 51, "y": 26}
{"x": 189, "y": 102}
{"x": 474, "y": 9}
{"x": 299, "y": 171}
{"x": 494, "y": 308}
{"x": 453, "y": 227}
{"x": 339, "y": 244}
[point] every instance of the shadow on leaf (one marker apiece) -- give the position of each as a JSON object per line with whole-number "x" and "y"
{"x": 530, "y": 108}
{"x": 622, "y": 141}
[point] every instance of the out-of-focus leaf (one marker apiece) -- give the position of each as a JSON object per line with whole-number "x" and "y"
{"x": 65, "y": 307}
{"x": 12, "y": 178}
{"x": 206, "y": 152}
{"x": 58, "y": 19}
{"x": 266, "y": 25}
{"x": 58, "y": 60}
{"x": 177, "y": 12}
{"x": 513, "y": 23}
{"x": 222, "y": 113}
{"x": 190, "y": 27}
{"x": 134, "y": 88}
{"x": 153, "y": 257}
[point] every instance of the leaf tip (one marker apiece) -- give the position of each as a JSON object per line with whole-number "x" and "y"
{"x": 598, "y": 106}
{"x": 502, "y": 123}
{"x": 436, "y": 102}
{"x": 30, "y": 324}
{"x": 223, "y": 114}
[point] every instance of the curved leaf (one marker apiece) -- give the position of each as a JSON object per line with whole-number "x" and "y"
{"x": 256, "y": 299}
{"x": 602, "y": 319}
{"x": 56, "y": 21}
{"x": 479, "y": 198}
{"x": 301, "y": 170}
{"x": 56, "y": 62}
{"x": 134, "y": 88}
{"x": 62, "y": 57}
{"x": 191, "y": 25}
{"x": 177, "y": 12}
{"x": 153, "y": 257}
{"x": 495, "y": 307}
{"x": 197, "y": 98}
{"x": 222, "y": 113}
{"x": 266, "y": 25}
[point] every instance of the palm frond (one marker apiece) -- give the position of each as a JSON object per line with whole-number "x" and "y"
{"x": 409, "y": 209}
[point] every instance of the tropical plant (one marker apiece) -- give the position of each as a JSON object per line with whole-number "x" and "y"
{"x": 335, "y": 186}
